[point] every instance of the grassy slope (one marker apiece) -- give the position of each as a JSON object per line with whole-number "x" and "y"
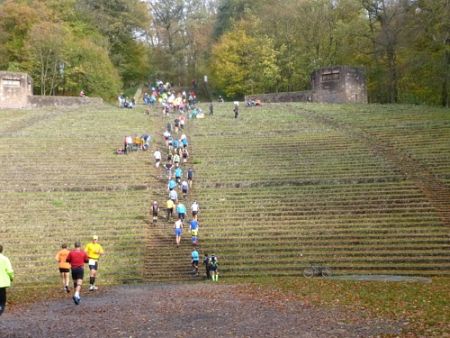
{"x": 61, "y": 182}
{"x": 278, "y": 188}
{"x": 281, "y": 188}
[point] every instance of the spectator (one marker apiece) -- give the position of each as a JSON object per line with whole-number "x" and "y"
{"x": 213, "y": 268}
{"x": 236, "y": 109}
{"x": 6, "y": 277}
{"x": 155, "y": 210}
{"x": 206, "y": 264}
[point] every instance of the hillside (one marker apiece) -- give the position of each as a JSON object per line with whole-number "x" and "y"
{"x": 363, "y": 189}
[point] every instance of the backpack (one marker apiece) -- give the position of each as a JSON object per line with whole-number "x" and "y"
{"x": 213, "y": 262}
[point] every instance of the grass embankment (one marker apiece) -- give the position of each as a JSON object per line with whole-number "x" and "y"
{"x": 61, "y": 182}
{"x": 289, "y": 184}
{"x": 282, "y": 186}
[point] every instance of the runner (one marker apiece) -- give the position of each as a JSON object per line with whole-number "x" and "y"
{"x": 173, "y": 195}
{"x": 6, "y": 277}
{"x": 190, "y": 176}
{"x": 195, "y": 259}
{"x": 77, "y": 258}
{"x": 170, "y": 205}
{"x": 193, "y": 229}
{"x": 157, "y": 156}
{"x": 178, "y": 174}
{"x": 93, "y": 250}
{"x": 181, "y": 211}
{"x": 195, "y": 208}
{"x": 64, "y": 267}
{"x": 178, "y": 231}
{"x": 184, "y": 188}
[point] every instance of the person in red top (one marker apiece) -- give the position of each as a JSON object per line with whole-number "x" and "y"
{"x": 77, "y": 258}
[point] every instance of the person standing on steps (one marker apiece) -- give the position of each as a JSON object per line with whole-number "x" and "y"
{"x": 77, "y": 258}
{"x": 155, "y": 210}
{"x": 178, "y": 227}
{"x": 206, "y": 264}
{"x": 194, "y": 261}
{"x": 236, "y": 109}
{"x": 93, "y": 250}
{"x": 213, "y": 268}
{"x": 6, "y": 277}
{"x": 64, "y": 267}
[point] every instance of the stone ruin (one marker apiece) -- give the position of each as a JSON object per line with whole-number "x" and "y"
{"x": 339, "y": 84}
{"x": 16, "y": 91}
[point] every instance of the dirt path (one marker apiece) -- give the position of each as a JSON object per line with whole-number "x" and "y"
{"x": 187, "y": 310}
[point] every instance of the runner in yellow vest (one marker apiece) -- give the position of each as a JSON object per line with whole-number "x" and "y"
{"x": 93, "y": 250}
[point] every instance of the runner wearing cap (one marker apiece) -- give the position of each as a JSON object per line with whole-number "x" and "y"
{"x": 93, "y": 250}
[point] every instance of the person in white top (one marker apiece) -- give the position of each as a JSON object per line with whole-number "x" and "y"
{"x": 195, "y": 209}
{"x": 178, "y": 227}
{"x": 157, "y": 156}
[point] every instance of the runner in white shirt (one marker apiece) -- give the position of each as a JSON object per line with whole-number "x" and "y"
{"x": 157, "y": 156}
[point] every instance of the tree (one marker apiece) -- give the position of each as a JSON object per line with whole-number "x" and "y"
{"x": 244, "y": 64}
{"x": 45, "y": 48}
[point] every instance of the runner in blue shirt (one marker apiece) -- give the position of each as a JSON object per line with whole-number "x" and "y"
{"x": 178, "y": 175}
{"x": 181, "y": 210}
{"x": 171, "y": 185}
{"x": 195, "y": 258}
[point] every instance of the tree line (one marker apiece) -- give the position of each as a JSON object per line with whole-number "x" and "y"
{"x": 244, "y": 46}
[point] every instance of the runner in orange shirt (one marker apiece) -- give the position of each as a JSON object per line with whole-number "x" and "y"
{"x": 64, "y": 267}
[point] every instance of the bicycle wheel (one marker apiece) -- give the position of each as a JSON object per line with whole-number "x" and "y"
{"x": 308, "y": 272}
{"x": 326, "y": 271}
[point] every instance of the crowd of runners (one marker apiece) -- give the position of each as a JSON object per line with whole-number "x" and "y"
{"x": 179, "y": 175}
{"x": 175, "y": 168}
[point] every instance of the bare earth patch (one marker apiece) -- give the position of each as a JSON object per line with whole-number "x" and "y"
{"x": 188, "y": 310}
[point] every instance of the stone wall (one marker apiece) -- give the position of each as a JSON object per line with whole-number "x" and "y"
{"x": 304, "y": 96}
{"x": 59, "y": 101}
{"x": 339, "y": 84}
{"x": 15, "y": 89}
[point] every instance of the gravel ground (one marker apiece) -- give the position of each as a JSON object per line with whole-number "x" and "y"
{"x": 187, "y": 310}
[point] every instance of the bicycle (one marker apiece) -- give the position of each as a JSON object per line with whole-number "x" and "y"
{"x": 317, "y": 270}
